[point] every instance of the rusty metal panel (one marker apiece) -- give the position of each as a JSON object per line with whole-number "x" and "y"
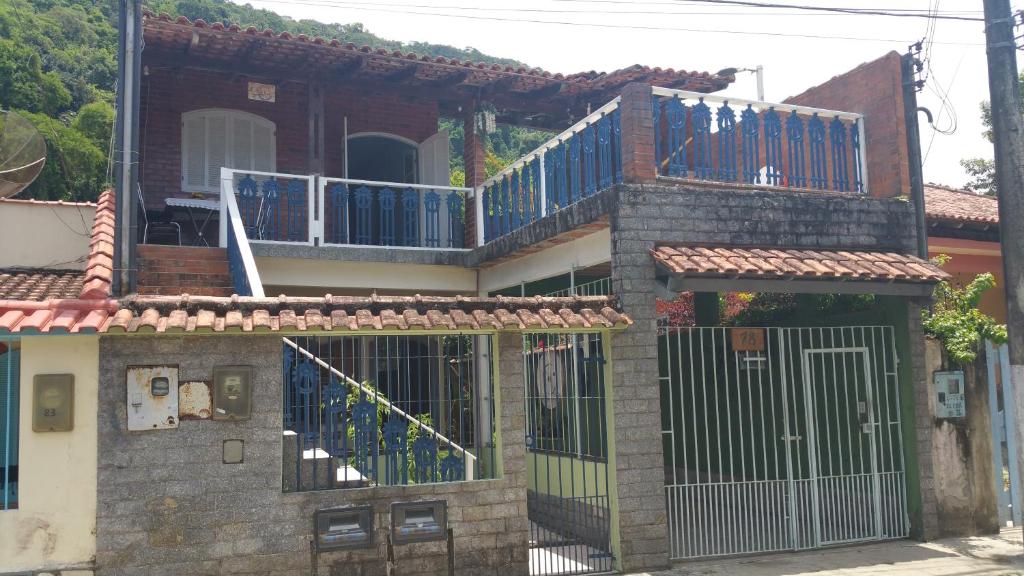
{"x": 152, "y": 397}
{"x": 194, "y": 401}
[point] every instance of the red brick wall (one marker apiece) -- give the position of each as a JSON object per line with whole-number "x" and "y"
{"x": 167, "y": 94}
{"x": 875, "y": 90}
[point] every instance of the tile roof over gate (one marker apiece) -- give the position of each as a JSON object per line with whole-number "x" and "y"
{"x": 774, "y": 263}
{"x": 353, "y": 314}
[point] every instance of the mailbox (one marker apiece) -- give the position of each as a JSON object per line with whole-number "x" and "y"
{"x": 53, "y": 402}
{"x": 152, "y": 397}
{"x": 338, "y": 528}
{"x": 232, "y": 392}
{"x": 419, "y": 521}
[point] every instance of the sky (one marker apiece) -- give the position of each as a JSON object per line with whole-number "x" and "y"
{"x": 798, "y": 49}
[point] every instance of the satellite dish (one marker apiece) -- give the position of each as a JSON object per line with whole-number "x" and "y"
{"x": 22, "y": 153}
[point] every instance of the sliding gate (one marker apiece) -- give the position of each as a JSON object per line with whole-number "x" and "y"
{"x": 780, "y": 438}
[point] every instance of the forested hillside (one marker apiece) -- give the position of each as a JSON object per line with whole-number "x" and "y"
{"x": 58, "y": 66}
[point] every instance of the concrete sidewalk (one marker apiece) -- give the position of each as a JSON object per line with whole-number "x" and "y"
{"x": 1001, "y": 555}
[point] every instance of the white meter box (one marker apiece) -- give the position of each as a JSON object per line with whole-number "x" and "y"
{"x": 152, "y": 397}
{"x": 949, "y": 395}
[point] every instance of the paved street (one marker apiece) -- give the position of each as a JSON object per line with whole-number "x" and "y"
{"x": 1000, "y": 555}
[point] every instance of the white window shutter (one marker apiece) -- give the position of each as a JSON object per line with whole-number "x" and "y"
{"x": 263, "y": 147}
{"x": 241, "y": 143}
{"x": 194, "y": 152}
{"x": 216, "y": 149}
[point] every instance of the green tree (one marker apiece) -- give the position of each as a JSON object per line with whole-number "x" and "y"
{"x": 75, "y": 168}
{"x": 956, "y": 320}
{"x": 95, "y": 121}
{"x": 981, "y": 170}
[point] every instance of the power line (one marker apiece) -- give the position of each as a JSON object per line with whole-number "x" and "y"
{"x": 860, "y": 11}
{"x": 370, "y": 8}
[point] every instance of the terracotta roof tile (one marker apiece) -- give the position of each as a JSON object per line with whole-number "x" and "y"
{"x": 793, "y": 263}
{"x": 166, "y": 32}
{"x": 950, "y": 204}
{"x": 99, "y": 271}
{"x": 39, "y": 284}
{"x": 392, "y": 313}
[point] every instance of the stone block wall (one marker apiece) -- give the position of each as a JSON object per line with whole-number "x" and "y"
{"x": 167, "y": 505}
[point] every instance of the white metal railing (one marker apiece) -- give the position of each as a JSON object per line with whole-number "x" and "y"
{"x": 274, "y": 207}
{"x": 530, "y": 189}
{"x": 780, "y": 144}
{"x": 599, "y": 287}
{"x": 368, "y": 212}
{"x": 244, "y": 275}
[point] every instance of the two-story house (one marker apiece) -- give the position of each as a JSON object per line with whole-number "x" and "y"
{"x": 328, "y": 357}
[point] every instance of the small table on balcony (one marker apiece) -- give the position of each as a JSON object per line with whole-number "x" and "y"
{"x": 190, "y": 205}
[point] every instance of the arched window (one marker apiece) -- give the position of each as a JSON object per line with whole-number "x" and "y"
{"x": 214, "y": 138}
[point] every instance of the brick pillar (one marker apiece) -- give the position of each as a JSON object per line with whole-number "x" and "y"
{"x": 637, "y": 134}
{"x": 514, "y": 540}
{"x": 473, "y": 162}
{"x": 638, "y": 460}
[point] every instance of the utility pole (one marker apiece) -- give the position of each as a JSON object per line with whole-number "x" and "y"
{"x": 1008, "y": 136}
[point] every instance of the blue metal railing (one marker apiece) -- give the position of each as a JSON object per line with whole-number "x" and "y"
{"x": 275, "y": 207}
{"x": 364, "y": 411}
{"x": 576, "y": 164}
{"x": 372, "y": 213}
{"x": 10, "y": 355}
{"x": 771, "y": 144}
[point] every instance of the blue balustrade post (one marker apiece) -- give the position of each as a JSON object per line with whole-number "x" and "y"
{"x": 795, "y": 146}
{"x": 604, "y": 152}
{"x": 364, "y": 215}
{"x": 298, "y": 216}
{"x": 339, "y": 213}
{"x": 268, "y": 224}
{"x": 526, "y": 182}
{"x": 575, "y": 189}
{"x": 335, "y": 419}
{"x": 495, "y": 217}
{"x": 456, "y": 220}
{"x": 858, "y": 160}
{"x": 588, "y": 155}
{"x": 617, "y": 144}
{"x": 395, "y": 436}
{"x": 386, "y": 200}
{"x": 506, "y": 207}
{"x": 773, "y": 147}
{"x": 247, "y": 192}
{"x": 365, "y": 436}
{"x": 432, "y": 208}
{"x": 726, "y": 117}
{"x": 549, "y": 179}
{"x": 410, "y": 217}
{"x": 424, "y": 452}
{"x": 561, "y": 188}
{"x": 750, "y": 132}
{"x": 536, "y": 179}
{"x": 675, "y": 116}
{"x": 516, "y": 192}
{"x": 840, "y": 157}
{"x": 816, "y": 135}
{"x": 703, "y": 167}
{"x": 656, "y": 112}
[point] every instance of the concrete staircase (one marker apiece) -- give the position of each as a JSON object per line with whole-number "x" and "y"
{"x": 176, "y": 270}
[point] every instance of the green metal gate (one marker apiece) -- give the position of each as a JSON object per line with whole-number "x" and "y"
{"x": 780, "y": 438}
{"x": 567, "y": 454}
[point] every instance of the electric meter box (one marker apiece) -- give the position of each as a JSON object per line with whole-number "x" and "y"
{"x": 152, "y": 397}
{"x": 339, "y": 528}
{"x": 53, "y": 402}
{"x": 232, "y": 392}
{"x": 949, "y": 395}
{"x": 419, "y": 521}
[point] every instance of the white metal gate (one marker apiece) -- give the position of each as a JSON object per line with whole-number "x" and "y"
{"x": 780, "y": 438}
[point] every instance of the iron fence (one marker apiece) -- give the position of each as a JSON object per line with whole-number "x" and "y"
{"x": 387, "y": 410}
